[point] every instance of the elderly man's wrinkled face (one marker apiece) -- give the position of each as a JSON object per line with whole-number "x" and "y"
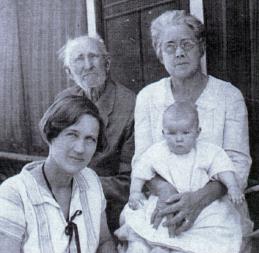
{"x": 87, "y": 65}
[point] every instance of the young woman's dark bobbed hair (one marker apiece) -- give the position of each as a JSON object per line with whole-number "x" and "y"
{"x": 66, "y": 111}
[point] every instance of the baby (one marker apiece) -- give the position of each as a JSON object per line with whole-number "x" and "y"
{"x": 181, "y": 130}
{"x": 188, "y": 165}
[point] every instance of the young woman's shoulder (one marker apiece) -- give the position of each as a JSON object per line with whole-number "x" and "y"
{"x": 12, "y": 188}
{"x": 12, "y": 215}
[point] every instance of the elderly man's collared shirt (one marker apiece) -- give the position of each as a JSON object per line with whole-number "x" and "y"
{"x": 31, "y": 215}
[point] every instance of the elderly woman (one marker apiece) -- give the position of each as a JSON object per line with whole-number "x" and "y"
{"x": 179, "y": 42}
{"x": 58, "y": 205}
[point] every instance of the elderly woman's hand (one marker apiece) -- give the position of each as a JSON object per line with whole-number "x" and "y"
{"x": 186, "y": 207}
{"x": 182, "y": 209}
{"x": 164, "y": 194}
{"x": 156, "y": 218}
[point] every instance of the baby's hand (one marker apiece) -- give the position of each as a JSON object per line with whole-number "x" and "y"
{"x": 136, "y": 200}
{"x": 236, "y": 195}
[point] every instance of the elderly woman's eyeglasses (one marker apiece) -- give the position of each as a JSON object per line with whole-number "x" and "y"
{"x": 185, "y": 44}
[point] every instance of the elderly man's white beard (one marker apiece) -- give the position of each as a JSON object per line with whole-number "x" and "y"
{"x": 94, "y": 93}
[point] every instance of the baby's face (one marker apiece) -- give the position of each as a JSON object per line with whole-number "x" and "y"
{"x": 180, "y": 135}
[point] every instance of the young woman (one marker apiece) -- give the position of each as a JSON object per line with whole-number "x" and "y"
{"x": 57, "y": 205}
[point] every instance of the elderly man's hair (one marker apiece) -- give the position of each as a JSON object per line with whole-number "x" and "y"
{"x": 182, "y": 110}
{"x": 66, "y": 111}
{"x": 64, "y": 52}
{"x": 172, "y": 18}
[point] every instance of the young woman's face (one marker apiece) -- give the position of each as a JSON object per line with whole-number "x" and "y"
{"x": 181, "y": 52}
{"x": 74, "y": 147}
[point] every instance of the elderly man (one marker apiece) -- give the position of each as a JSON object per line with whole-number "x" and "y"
{"x": 87, "y": 63}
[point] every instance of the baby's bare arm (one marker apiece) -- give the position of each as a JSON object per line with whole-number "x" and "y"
{"x": 136, "y": 196}
{"x": 136, "y": 185}
{"x": 234, "y": 191}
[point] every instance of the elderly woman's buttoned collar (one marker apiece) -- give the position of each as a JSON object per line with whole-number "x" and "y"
{"x": 209, "y": 98}
{"x": 207, "y": 101}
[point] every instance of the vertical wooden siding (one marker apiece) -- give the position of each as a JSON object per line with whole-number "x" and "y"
{"x": 126, "y": 32}
{"x": 233, "y": 55}
{"x": 232, "y": 47}
{"x": 13, "y": 129}
{"x": 228, "y": 41}
{"x": 32, "y": 31}
{"x": 254, "y": 96}
{"x": 32, "y": 75}
{"x": 232, "y": 52}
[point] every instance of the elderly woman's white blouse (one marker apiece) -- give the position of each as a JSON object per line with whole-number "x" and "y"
{"x": 29, "y": 213}
{"x": 222, "y": 114}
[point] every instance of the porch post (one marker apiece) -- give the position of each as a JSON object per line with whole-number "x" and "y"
{"x": 91, "y": 17}
{"x": 196, "y": 9}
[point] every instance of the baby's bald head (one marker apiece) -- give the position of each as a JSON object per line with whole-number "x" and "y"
{"x": 181, "y": 127}
{"x": 183, "y": 110}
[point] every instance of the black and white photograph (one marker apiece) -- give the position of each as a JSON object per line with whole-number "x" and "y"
{"x": 129, "y": 126}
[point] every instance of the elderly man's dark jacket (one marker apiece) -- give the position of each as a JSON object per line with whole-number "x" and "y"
{"x": 116, "y": 107}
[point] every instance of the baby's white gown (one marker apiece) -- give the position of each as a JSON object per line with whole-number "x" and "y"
{"x": 217, "y": 229}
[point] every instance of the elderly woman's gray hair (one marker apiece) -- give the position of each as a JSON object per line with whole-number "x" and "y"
{"x": 171, "y": 18}
{"x": 65, "y": 51}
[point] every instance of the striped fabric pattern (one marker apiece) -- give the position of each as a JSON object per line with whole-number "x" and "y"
{"x": 31, "y": 216}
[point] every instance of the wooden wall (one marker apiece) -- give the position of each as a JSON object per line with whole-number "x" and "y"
{"x": 232, "y": 47}
{"x": 233, "y": 55}
{"x": 31, "y": 32}
{"x": 126, "y": 31}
